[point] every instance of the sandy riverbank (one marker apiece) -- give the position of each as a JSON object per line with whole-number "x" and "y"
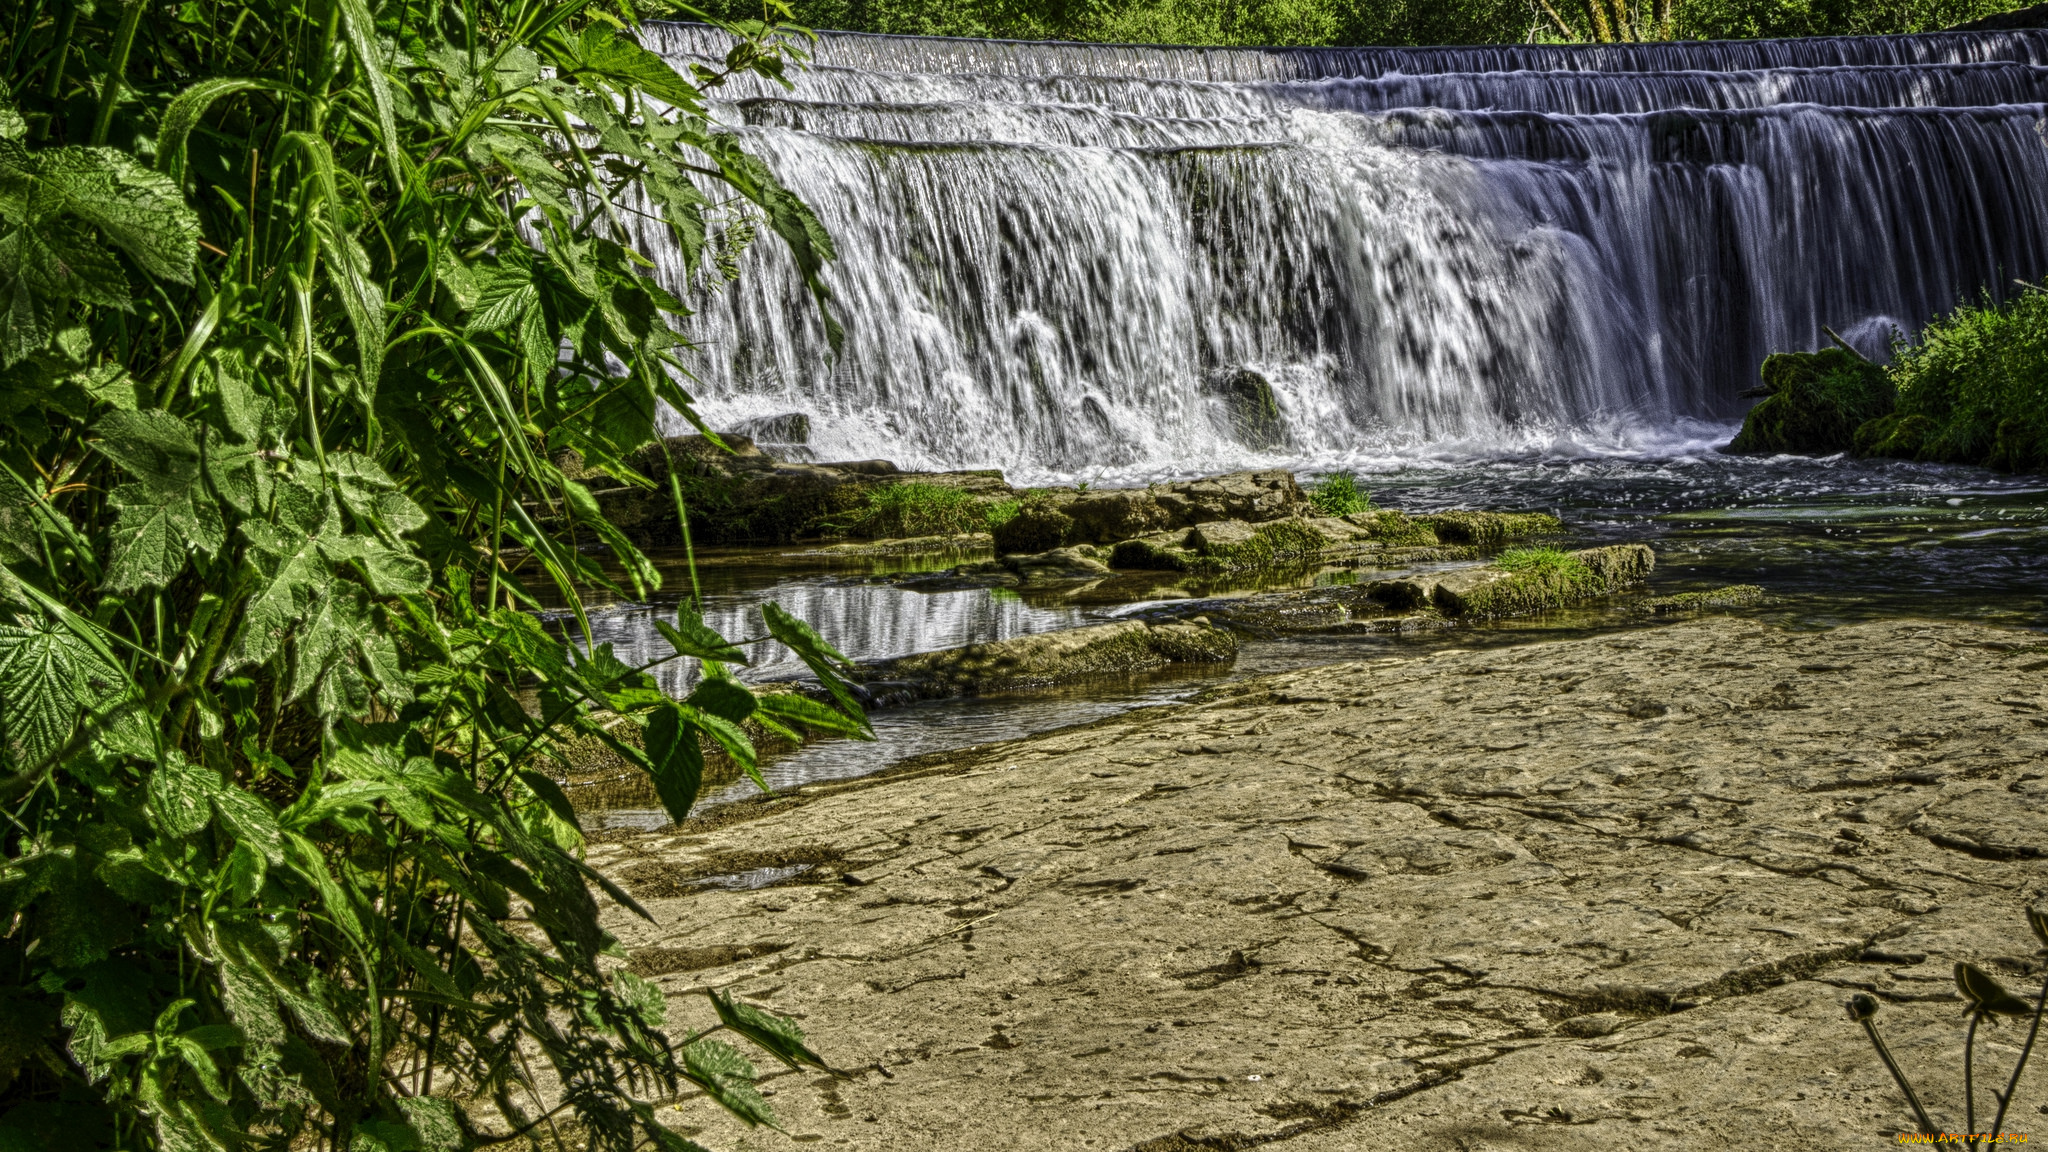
{"x": 1574, "y": 894}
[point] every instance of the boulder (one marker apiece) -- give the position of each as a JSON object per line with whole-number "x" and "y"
{"x": 1075, "y": 563}
{"x": 1039, "y": 524}
{"x": 1251, "y": 415}
{"x": 1122, "y": 647}
{"x": 1117, "y": 514}
{"x": 1253, "y": 496}
{"x": 1814, "y": 402}
{"x": 1495, "y": 591}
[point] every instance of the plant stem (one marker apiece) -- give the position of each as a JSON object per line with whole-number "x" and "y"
{"x": 2013, "y": 1085}
{"x": 53, "y": 84}
{"x": 110, "y": 88}
{"x": 1970, "y": 1074}
{"x": 1899, "y": 1077}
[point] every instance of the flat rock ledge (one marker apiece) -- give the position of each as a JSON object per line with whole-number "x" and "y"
{"x": 1597, "y": 893}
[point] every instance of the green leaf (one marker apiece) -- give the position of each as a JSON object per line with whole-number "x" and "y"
{"x": 642, "y": 996}
{"x": 824, "y": 661}
{"x": 252, "y": 822}
{"x": 796, "y": 710}
{"x": 46, "y": 687}
{"x": 154, "y": 533}
{"x": 723, "y": 697}
{"x": 550, "y": 793}
{"x": 690, "y": 636}
{"x": 583, "y": 506}
{"x": 362, "y": 40}
{"x": 183, "y": 115}
{"x": 180, "y": 796}
{"x": 139, "y": 210}
{"x": 779, "y": 1035}
{"x": 727, "y": 1077}
{"x": 676, "y": 762}
{"x": 348, "y": 270}
{"x": 503, "y": 294}
{"x": 634, "y": 69}
{"x": 288, "y": 555}
{"x": 157, "y": 448}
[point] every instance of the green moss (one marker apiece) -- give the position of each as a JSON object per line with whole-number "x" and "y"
{"x": 1001, "y": 512}
{"x": 1338, "y": 494}
{"x": 1973, "y": 390}
{"x": 1815, "y": 402}
{"x": 1489, "y": 529}
{"x": 1269, "y": 543}
{"x": 1396, "y": 529}
{"x": 1036, "y": 526}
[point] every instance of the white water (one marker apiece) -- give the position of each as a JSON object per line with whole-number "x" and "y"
{"x": 1052, "y": 256}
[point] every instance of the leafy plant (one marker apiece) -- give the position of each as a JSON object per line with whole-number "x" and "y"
{"x": 916, "y": 509}
{"x": 1972, "y": 389}
{"x": 1338, "y": 494}
{"x": 298, "y": 303}
{"x": 1987, "y": 1000}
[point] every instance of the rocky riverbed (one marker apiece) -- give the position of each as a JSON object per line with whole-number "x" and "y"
{"x": 1573, "y": 894}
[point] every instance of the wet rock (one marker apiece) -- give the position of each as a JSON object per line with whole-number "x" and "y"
{"x": 1251, "y": 414}
{"x": 1076, "y": 563}
{"x": 1494, "y": 591}
{"x": 1580, "y": 925}
{"x": 1253, "y": 496}
{"x": 1040, "y": 524}
{"x": 957, "y": 542}
{"x": 1117, "y": 514}
{"x": 1488, "y": 529}
{"x": 1055, "y": 657}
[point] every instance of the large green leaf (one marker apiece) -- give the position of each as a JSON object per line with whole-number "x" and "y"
{"x": 45, "y": 689}
{"x": 139, "y": 210}
{"x": 633, "y": 68}
{"x": 676, "y": 763}
{"x": 294, "y": 570}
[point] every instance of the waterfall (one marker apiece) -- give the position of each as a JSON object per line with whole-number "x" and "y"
{"x": 1086, "y": 261}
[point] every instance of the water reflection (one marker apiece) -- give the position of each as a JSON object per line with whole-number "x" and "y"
{"x": 1833, "y": 541}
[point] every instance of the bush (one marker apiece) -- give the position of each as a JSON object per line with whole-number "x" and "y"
{"x": 1972, "y": 390}
{"x": 286, "y": 360}
{"x": 914, "y": 509}
{"x": 1338, "y": 494}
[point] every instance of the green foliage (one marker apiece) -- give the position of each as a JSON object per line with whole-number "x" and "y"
{"x": 297, "y": 304}
{"x": 1972, "y": 390}
{"x": 1815, "y": 402}
{"x": 1338, "y": 494}
{"x": 915, "y": 509}
{"x": 1320, "y": 22}
{"x": 1001, "y": 512}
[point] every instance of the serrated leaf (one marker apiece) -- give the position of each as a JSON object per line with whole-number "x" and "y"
{"x": 155, "y": 532}
{"x": 676, "y": 763}
{"x": 181, "y": 796}
{"x": 503, "y": 293}
{"x": 642, "y": 996}
{"x": 634, "y": 68}
{"x": 550, "y": 793}
{"x": 793, "y": 709}
{"x": 44, "y": 690}
{"x": 724, "y": 698}
{"x": 690, "y": 636}
{"x": 778, "y": 1034}
{"x": 139, "y": 210}
{"x": 728, "y": 1078}
{"x": 825, "y": 662}
{"x": 288, "y": 555}
{"x": 348, "y": 270}
{"x": 155, "y": 447}
{"x": 252, "y": 822}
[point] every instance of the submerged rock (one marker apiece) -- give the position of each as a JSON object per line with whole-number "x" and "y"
{"x": 1122, "y": 647}
{"x": 1731, "y": 596}
{"x": 1251, "y": 415}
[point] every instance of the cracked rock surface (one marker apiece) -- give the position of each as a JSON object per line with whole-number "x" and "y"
{"x": 1591, "y": 893}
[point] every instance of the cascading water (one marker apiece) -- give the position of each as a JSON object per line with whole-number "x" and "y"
{"x": 1089, "y": 261}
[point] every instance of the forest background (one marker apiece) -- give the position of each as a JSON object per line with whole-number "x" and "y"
{"x": 1340, "y": 22}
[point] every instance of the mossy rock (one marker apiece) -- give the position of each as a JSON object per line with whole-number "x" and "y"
{"x": 1488, "y": 529}
{"x": 1038, "y": 526}
{"x": 1123, "y": 647}
{"x": 1531, "y": 580}
{"x": 1159, "y": 552}
{"x": 1393, "y": 529}
{"x": 1815, "y": 402}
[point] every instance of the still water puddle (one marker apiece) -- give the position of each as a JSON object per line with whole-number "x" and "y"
{"x": 1833, "y": 541}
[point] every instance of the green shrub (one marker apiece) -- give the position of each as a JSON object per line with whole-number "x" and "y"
{"x": 1001, "y": 512}
{"x": 1972, "y": 390}
{"x": 915, "y": 509}
{"x": 286, "y": 361}
{"x": 1338, "y": 494}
